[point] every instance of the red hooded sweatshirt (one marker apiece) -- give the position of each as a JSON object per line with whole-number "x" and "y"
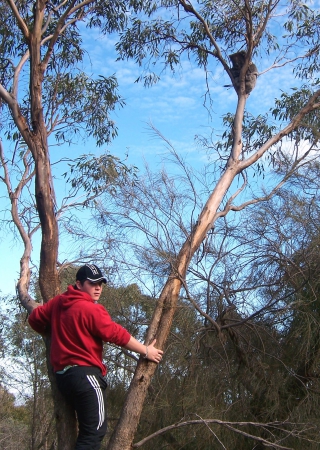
{"x": 78, "y": 329}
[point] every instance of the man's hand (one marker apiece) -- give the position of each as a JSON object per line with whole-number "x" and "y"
{"x": 152, "y": 353}
{"x": 147, "y": 351}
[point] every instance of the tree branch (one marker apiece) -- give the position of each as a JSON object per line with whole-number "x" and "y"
{"x": 25, "y": 273}
{"x": 230, "y": 425}
{"x": 230, "y": 207}
{"x": 22, "y": 25}
{"x": 310, "y": 106}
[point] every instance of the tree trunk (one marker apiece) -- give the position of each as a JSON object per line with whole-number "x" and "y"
{"x": 66, "y": 424}
{"x": 160, "y": 326}
{"x": 35, "y": 136}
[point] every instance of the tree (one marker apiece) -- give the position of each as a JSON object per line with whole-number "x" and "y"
{"x": 43, "y": 94}
{"x": 12, "y": 422}
{"x": 209, "y": 32}
{"x": 44, "y": 42}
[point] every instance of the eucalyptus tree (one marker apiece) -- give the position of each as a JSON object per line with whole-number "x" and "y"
{"x": 231, "y": 35}
{"x": 46, "y": 96}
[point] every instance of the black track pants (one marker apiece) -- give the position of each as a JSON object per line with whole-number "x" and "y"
{"x": 85, "y": 388}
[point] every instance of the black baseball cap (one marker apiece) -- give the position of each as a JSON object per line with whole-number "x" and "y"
{"x": 90, "y": 272}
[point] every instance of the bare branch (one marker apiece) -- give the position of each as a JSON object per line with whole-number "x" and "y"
{"x": 189, "y": 8}
{"x": 17, "y": 71}
{"x": 262, "y": 26}
{"x": 231, "y": 426}
{"x": 230, "y": 207}
{"x": 197, "y": 307}
{"x": 277, "y": 65}
{"x": 311, "y": 105}
{"x": 22, "y": 25}
{"x": 25, "y": 273}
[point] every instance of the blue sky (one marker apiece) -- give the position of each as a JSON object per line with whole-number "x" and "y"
{"x": 174, "y": 106}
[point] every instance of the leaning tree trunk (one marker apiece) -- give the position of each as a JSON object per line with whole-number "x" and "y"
{"x": 160, "y": 326}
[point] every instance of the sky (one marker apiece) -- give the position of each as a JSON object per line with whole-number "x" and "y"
{"x": 174, "y": 106}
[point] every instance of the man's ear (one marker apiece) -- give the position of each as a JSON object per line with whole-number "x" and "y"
{"x": 79, "y": 285}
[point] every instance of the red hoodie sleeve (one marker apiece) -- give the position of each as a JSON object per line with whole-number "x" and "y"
{"x": 108, "y": 330}
{"x": 40, "y": 318}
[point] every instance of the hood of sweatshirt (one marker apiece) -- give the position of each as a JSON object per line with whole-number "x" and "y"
{"x": 72, "y": 295}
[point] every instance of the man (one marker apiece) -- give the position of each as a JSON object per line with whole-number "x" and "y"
{"x": 79, "y": 325}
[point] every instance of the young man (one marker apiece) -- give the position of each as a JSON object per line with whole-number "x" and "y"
{"x": 79, "y": 325}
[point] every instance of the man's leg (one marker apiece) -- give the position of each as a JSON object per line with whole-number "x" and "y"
{"x": 86, "y": 389}
{"x": 90, "y": 405}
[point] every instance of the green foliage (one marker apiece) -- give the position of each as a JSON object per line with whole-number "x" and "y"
{"x": 13, "y": 422}
{"x": 250, "y": 352}
{"x": 218, "y": 29}
{"x": 73, "y": 102}
{"x": 289, "y": 106}
{"x": 133, "y": 310}
{"x": 255, "y": 132}
{"x": 82, "y": 103}
{"x": 264, "y": 369}
{"x": 304, "y": 24}
{"x": 98, "y": 174}
{"x": 250, "y": 349}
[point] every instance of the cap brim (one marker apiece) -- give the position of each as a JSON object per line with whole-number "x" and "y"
{"x": 96, "y": 280}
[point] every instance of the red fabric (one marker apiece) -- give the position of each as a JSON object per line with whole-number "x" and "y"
{"x": 78, "y": 329}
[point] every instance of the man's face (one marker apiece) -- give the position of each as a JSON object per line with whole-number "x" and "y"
{"x": 93, "y": 289}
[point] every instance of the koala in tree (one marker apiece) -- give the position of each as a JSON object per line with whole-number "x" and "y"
{"x": 238, "y": 60}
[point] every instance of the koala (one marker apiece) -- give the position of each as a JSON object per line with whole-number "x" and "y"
{"x": 238, "y": 60}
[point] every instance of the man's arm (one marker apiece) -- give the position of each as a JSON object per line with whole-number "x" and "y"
{"x": 39, "y": 318}
{"x": 147, "y": 351}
